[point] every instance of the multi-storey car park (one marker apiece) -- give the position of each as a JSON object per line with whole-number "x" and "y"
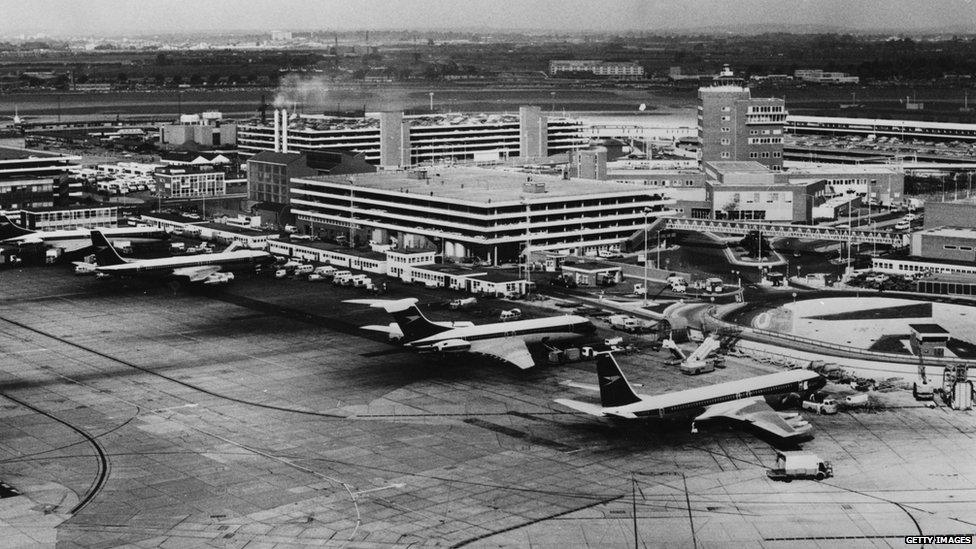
{"x": 392, "y": 139}
{"x": 901, "y": 129}
{"x": 471, "y": 212}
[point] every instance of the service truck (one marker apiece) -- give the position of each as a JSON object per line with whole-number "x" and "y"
{"x": 800, "y": 465}
{"x": 677, "y": 284}
{"x": 510, "y": 314}
{"x": 352, "y": 280}
{"x": 325, "y": 270}
{"x": 714, "y": 285}
{"x": 625, "y": 323}
{"x": 821, "y": 404}
{"x": 459, "y": 303}
{"x": 340, "y": 276}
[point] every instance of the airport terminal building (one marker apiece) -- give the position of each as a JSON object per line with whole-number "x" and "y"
{"x": 392, "y": 139}
{"x": 472, "y": 212}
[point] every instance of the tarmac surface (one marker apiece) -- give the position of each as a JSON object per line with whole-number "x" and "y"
{"x": 260, "y": 416}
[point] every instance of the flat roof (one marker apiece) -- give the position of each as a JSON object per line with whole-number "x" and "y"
{"x": 450, "y": 269}
{"x": 235, "y": 229}
{"x": 13, "y": 153}
{"x": 413, "y": 251}
{"x": 954, "y": 232}
{"x": 495, "y": 276}
{"x": 591, "y": 266}
{"x": 824, "y": 169}
{"x": 328, "y": 247}
{"x": 928, "y": 329}
{"x": 479, "y": 184}
{"x": 169, "y": 216}
{"x": 738, "y": 166}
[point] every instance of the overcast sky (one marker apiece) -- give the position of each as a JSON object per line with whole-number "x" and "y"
{"x": 119, "y": 17}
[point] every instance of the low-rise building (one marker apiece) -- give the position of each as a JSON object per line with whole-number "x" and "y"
{"x": 596, "y": 67}
{"x": 207, "y": 129}
{"x": 948, "y": 243}
{"x": 189, "y": 181}
{"x": 751, "y": 191}
{"x": 593, "y": 273}
{"x": 497, "y": 284}
{"x": 820, "y": 76}
{"x": 69, "y": 217}
{"x": 215, "y": 231}
{"x": 32, "y": 179}
{"x": 451, "y": 276}
{"x": 331, "y": 254}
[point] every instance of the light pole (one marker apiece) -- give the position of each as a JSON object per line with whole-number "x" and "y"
{"x": 431, "y": 95}
{"x": 646, "y": 258}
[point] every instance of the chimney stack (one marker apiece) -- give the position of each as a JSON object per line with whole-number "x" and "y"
{"x": 277, "y": 132}
{"x": 284, "y": 130}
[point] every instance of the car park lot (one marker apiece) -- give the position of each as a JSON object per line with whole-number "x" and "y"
{"x": 260, "y": 414}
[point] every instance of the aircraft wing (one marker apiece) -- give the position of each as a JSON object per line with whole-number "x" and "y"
{"x": 196, "y": 274}
{"x": 509, "y": 349}
{"x": 757, "y": 412}
{"x": 585, "y": 407}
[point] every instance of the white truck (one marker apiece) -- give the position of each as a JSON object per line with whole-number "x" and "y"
{"x": 325, "y": 271}
{"x": 714, "y": 285}
{"x": 85, "y": 268}
{"x": 800, "y": 465}
{"x": 352, "y": 280}
{"x": 640, "y": 288}
{"x": 340, "y": 276}
{"x": 510, "y": 314}
{"x": 820, "y": 404}
{"x": 304, "y": 269}
{"x": 677, "y": 283}
{"x": 465, "y": 302}
{"x": 625, "y": 323}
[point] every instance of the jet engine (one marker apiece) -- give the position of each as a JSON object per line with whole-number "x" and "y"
{"x": 452, "y": 346}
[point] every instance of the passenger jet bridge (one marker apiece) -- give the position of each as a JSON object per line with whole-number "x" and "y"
{"x": 770, "y": 229}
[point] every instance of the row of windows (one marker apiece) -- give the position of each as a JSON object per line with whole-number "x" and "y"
{"x": 765, "y": 132}
{"x": 765, "y": 140}
{"x": 930, "y": 268}
{"x": 764, "y": 109}
{"x": 962, "y": 248}
{"x": 784, "y": 388}
{"x": 774, "y": 154}
{"x": 74, "y": 214}
{"x": 946, "y": 288}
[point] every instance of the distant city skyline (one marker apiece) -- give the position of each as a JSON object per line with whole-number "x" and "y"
{"x": 110, "y": 18}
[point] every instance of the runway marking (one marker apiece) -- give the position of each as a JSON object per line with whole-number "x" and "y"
{"x": 395, "y": 486}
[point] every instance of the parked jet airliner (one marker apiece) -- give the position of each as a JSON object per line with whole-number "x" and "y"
{"x": 205, "y": 268}
{"x": 746, "y": 400}
{"x": 503, "y": 340}
{"x": 74, "y": 240}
